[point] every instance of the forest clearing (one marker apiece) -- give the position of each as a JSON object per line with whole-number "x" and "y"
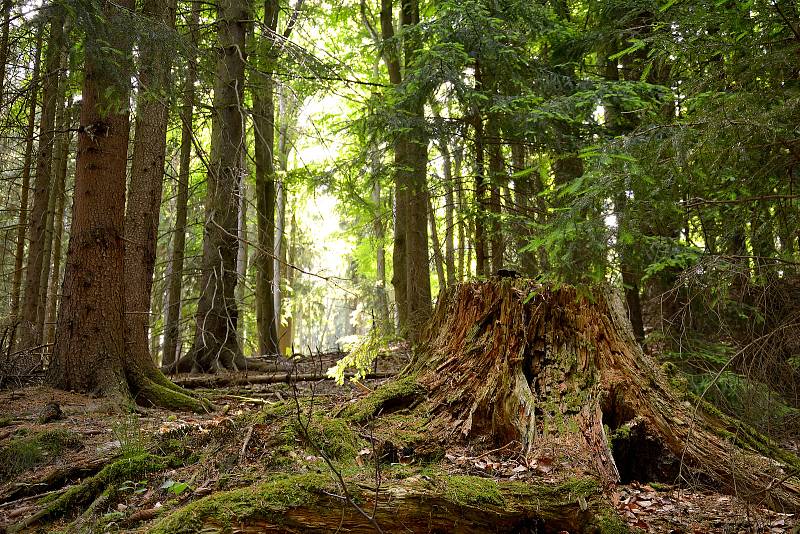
{"x": 399, "y": 266}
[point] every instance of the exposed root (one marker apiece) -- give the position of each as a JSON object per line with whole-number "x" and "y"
{"x": 76, "y": 497}
{"x": 174, "y": 398}
{"x": 558, "y": 370}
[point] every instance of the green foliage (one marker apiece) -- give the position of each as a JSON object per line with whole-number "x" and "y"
{"x": 361, "y": 353}
{"x": 127, "y": 431}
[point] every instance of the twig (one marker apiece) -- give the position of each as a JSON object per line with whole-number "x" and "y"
{"x": 321, "y": 453}
{"x": 246, "y": 442}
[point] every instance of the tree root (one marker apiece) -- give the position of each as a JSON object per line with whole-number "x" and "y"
{"x": 172, "y": 397}
{"x": 76, "y": 497}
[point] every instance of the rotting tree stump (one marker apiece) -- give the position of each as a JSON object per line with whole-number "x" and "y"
{"x": 559, "y": 370}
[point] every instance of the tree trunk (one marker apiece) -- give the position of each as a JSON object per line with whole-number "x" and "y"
{"x": 173, "y": 308}
{"x": 242, "y": 253}
{"x": 497, "y": 178}
{"x": 6, "y": 13}
{"x": 378, "y": 228}
{"x": 554, "y": 370}
{"x": 449, "y": 211}
{"x": 437, "y": 247}
{"x": 32, "y": 306}
{"x": 22, "y": 227}
{"x": 58, "y": 218}
{"x": 418, "y": 279}
{"x": 89, "y": 353}
{"x": 264, "y": 131}
{"x": 524, "y": 214}
{"x": 481, "y": 257}
{"x": 463, "y": 267}
{"x": 147, "y": 177}
{"x": 216, "y": 343}
{"x": 435, "y": 503}
{"x": 279, "y": 252}
{"x": 59, "y": 170}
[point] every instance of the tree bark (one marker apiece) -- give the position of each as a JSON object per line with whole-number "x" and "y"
{"x": 449, "y": 211}
{"x": 32, "y": 305}
{"x": 56, "y": 196}
{"x": 89, "y": 348}
{"x": 22, "y": 227}
{"x": 497, "y": 178}
{"x": 173, "y": 308}
{"x": 58, "y": 237}
{"x": 481, "y": 257}
{"x": 437, "y": 247}
{"x": 216, "y": 343}
{"x": 380, "y": 252}
{"x": 146, "y": 182}
{"x": 4, "y": 33}
{"x": 264, "y": 131}
{"x": 514, "y": 361}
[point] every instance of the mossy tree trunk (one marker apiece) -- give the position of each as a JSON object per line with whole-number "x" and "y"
{"x": 556, "y": 369}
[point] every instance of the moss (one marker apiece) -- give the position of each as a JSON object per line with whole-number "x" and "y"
{"x": 743, "y": 435}
{"x": 334, "y": 437}
{"x": 473, "y": 491}
{"x": 266, "y": 501}
{"x": 6, "y": 421}
{"x": 27, "y": 452}
{"x": 278, "y": 411}
{"x": 126, "y": 469}
{"x": 610, "y": 523}
{"x": 400, "y": 392}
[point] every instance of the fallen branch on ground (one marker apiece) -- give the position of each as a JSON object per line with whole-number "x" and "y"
{"x": 236, "y": 379}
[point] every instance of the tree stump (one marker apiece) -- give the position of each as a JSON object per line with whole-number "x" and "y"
{"x": 557, "y": 369}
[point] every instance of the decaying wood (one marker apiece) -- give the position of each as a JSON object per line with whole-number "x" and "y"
{"x": 238, "y": 379}
{"x": 552, "y": 368}
{"x": 416, "y": 504}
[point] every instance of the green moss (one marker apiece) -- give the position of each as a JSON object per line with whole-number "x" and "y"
{"x": 6, "y": 421}
{"x": 332, "y": 436}
{"x": 610, "y": 523}
{"x": 742, "y": 434}
{"x": 126, "y": 469}
{"x": 266, "y": 501}
{"x": 27, "y": 452}
{"x": 402, "y": 391}
{"x": 473, "y": 491}
{"x": 278, "y": 411}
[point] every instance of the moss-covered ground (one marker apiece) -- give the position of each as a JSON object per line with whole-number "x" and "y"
{"x": 269, "y": 461}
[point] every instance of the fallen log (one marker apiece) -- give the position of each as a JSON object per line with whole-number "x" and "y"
{"x": 436, "y": 503}
{"x": 238, "y": 379}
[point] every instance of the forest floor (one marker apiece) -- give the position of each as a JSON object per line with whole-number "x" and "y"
{"x": 237, "y": 447}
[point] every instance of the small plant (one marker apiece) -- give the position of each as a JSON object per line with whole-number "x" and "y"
{"x": 175, "y": 487}
{"x": 136, "y": 488}
{"x": 129, "y": 436}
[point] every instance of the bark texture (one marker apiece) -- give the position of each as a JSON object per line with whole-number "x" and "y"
{"x": 22, "y": 227}
{"x": 557, "y": 370}
{"x": 89, "y": 353}
{"x": 264, "y": 145}
{"x": 89, "y": 347}
{"x": 216, "y": 342}
{"x": 147, "y": 177}
{"x": 309, "y": 503}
